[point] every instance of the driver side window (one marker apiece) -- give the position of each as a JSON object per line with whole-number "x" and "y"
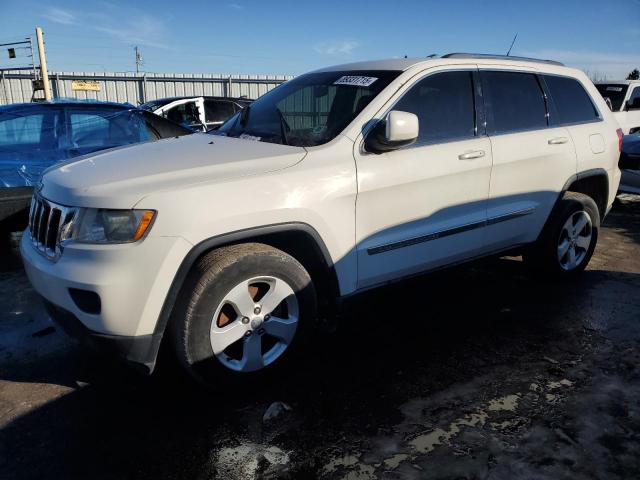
{"x": 186, "y": 114}
{"x": 445, "y": 107}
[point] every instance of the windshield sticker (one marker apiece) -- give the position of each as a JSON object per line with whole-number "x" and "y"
{"x": 614, "y": 89}
{"x": 246, "y": 136}
{"x": 355, "y": 81}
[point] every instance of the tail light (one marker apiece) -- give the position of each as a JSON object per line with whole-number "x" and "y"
{"x": 620, "y": 137}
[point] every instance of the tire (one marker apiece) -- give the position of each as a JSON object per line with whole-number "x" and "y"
{"x": 230, "y": 300}
{"x": 546, "y": 255}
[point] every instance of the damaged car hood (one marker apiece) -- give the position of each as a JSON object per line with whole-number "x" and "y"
{"x": 119, "y": 178}
{"x": 21, "y": 169}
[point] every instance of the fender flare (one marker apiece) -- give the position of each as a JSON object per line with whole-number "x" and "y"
{"x": 230, "y": 238}
{"x": 593, "y": 172}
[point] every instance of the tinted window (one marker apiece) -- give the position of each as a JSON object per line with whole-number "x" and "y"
{"x": 634, "y": 95}
{"x": 217, "y": 111}
{"x": 444, "y": 104}
{"x": 572, "y": 103}
{"x": 514, "y": 101}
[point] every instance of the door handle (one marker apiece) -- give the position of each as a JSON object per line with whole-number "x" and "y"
{"x": 471, "y": 155}
{"x": 558, "y": 140}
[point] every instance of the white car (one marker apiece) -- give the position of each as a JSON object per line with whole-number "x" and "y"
{"x": 196, "y": 113}
{"x": 228, "y": 247}
{"x": 623, "y": 97}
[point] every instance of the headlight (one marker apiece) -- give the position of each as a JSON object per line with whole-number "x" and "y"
{"x": 97, "y": 225}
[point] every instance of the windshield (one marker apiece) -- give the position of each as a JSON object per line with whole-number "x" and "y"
{"x": 615, "y": 93}
{"x": 309, "y": 110}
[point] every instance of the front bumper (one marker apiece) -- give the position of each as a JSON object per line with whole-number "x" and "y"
{"x": 131, "y": 282}
{"x": 141, "y": 352}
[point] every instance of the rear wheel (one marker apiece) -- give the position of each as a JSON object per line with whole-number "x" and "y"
{"x": 569, "y": 238}
{"x": 245, "y": 311}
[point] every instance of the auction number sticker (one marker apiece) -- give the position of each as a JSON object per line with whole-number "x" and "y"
{"x": 355, "y": 81}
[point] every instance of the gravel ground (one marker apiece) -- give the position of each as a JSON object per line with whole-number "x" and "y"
{"x": 477, "y": 372}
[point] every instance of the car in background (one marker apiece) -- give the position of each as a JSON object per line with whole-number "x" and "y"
{"x": 34, "y": 136}
{"x": 197, "y": 113}
{"x": 630, "y": 164}
{"x": 623, "y": 98}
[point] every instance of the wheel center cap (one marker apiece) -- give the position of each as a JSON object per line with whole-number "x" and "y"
{"x": 256, "y": 322}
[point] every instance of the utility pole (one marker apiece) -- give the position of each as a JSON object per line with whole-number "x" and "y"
{"x": 43, "y": 65}
{"x": 139, "y": 61}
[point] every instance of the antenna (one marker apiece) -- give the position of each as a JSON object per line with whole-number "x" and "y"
{"x": 512, "y": 43}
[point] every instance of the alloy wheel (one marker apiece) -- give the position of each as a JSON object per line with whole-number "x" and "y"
{"x": 254, "y": 324}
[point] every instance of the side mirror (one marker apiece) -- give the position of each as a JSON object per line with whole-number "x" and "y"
{"x": 397, "y": 130}
{"x": 634, "y": 104}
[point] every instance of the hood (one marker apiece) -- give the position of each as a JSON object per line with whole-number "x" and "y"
{"x": 121, "y": 177}
{"x": 19, "y": 174}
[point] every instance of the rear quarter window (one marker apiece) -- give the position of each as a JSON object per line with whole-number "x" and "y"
{"x": 571, "y": 101}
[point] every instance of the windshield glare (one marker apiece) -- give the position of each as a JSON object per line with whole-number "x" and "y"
{"x": 615, "y": 93}
{"x": 309, "y": 110}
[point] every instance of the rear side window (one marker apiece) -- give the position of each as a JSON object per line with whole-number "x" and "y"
{"x": 572, "y": 103}
{"x": 514, "y": 101}
{"x": 444, "y": 104}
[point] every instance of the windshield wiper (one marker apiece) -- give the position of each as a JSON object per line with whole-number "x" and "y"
{"x": 284, "y": 126}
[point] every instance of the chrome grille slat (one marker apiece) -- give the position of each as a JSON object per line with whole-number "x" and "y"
{"x": 46, "y": 220}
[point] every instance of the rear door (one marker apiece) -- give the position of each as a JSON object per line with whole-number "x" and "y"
{"x": 532, "y": 159}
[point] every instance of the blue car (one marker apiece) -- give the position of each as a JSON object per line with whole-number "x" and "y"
{"x": 34, "y": 136}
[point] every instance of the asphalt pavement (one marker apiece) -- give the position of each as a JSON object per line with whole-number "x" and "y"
{"x": 484, "y": 371}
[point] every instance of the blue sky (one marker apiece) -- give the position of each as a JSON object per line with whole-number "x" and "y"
{"x": 291, "y": 37}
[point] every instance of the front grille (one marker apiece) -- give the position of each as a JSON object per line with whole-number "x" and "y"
{"x": 46, "y": 222}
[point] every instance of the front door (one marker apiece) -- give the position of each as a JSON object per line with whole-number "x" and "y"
{"x": 423, "y": 206}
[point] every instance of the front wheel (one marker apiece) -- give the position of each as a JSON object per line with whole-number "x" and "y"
{"x": 245, "y": 311}
{"x": 569, "y": 238}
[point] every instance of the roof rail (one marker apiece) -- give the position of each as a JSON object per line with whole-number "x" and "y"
{"x": 488, "y": 56}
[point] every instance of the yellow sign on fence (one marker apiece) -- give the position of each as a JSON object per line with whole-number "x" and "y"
{"x": 85, "y": 85}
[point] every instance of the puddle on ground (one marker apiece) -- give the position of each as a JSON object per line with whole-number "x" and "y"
{"x": 414, "y": 446}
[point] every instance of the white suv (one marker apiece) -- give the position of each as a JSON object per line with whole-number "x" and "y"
{"x": 227, "y": 247}
{"x": 623, "y": 97}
